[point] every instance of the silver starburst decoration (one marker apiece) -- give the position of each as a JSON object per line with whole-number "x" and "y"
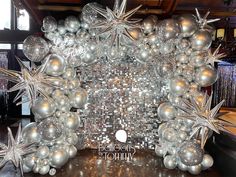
{"x": 203, "y": 21}
{"x": 215, "y": 56}
{"x": 29, "y": 81}
{"x": 15, "y": 149}
{"x": 117, "y": 22}
{"x": 204, "y": 118}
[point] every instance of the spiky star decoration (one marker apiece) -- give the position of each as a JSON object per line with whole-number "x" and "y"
{"x": 203, "y": 21}
{"x": 29, "y": 81}
{"x": 117, "y": 22}
{"x": 15, "y": 149}
{"x": 215, "y": 56}
{"x": 204, "y": 118}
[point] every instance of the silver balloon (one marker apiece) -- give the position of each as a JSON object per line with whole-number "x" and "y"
{"x": 71, "y": 121}
{"x": 69, "y": 39}
{"x": 42, "y": 152}
{"x": 195, "y": 170}
{"x": 43, "y": 108}
{"x": 72, "y": 138}
{"x": 148, "y": 25}
{"x": 166, "y": 69}
{"x": 206, "y": 76}
{"x": 61, "y": 27}
{"x": 190, "y": 153}
{"x": 183, "y": 45}
{"x": 88, "y": 57}
{"x": 49, "y": 24}
{"x": 159, "y": 151}
{"x": 167, "y": 47}
{"x": 78, "y": 98}
{"x": 44, "y": 170}
{"x": 182, "y": 167}
{"x": 69, "y": 73}
{"x": 169, "y": 28}
{"x": 50, "y": 129}
{"x": 188, "y": 25}
{"x": 166, "y": 111}
{"x": 207, "y": 161}
{"x": 73, "y": 84}
{"x": 170, "y": 134}
{"x": 30, "y": 133}
{"x": 58, "y": 157}
{"x": 63, "y": 103}
{"x": 30, "y": 161}
{"x": 135, "y": 33}
{"x": 55, "y": 65}
{"x": 170, "y": 162}
{"x": 201, "y": 40}
{"x": 182, "y": 58}
{"x": 72, "y": 24}
{"x": 198, "y": 58}
{"x": 26, "y": 169}
{"x": 178, "y": 86}
{"x": 35, "y": 48}
{"x": 71, "y": 150}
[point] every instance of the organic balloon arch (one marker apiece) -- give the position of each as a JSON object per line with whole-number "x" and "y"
{"x": 106, "y": 71}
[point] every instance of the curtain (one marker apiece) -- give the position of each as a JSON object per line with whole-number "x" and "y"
{"x": 3, "y": 64}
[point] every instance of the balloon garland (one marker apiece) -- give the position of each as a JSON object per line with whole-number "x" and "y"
{"x": 107, "y": 73}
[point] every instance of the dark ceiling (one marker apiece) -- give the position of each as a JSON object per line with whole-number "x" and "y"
{"x": 225, "y": 9}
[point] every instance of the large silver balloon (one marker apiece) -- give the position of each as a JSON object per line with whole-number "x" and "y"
{"x": 190, "y": 153}
{"x": 43, "y": 107}
{"x": 188, "y": 25}
{"x": 169, "y": 28}
{"x": 30, "y": 133}
{"x": 78, "y": 98}
{"x": 35, "y": 48}
{"x": 206, "y": 76}
{"x": 50, "y": 129}
{"x": 207, "y": 161}
{"x": 72, "y": 24}
{"x": 55, "y": 65}
{"x": 178, "y": 86}
{"x": 49, "y": 24}
{"x": 42, "y": 152}
{"x": 166, "y": 111}
{"x": 58, "y": 157}
{"x": 201, "y": 40}
{"x": 170, "y": 162}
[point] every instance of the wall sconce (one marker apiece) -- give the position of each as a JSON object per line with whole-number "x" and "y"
{"x": 234, "y": 32}
{"x": 220, "y": 33}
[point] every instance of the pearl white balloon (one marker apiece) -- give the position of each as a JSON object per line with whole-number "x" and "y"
{"x": 71, "y": 121}
{"x": 42, "y": 152}
{"x": 43, "y": 108}
{"x": 188, "y": 25}
{"x": 206, "y": 76}
{"x": 58, "y": 157}
{"x": 170, "y": 162}
{"x": 195, "y": 170}
{"x": 30, "y": 133}
{"x": 78, "y": 98}
{"x": 201, "y": 40}
{"x": 207, "y": 161}
{"x": 178, "y": 86}
{"x": 55, "y": 65}
{"x": 166, "y": 111}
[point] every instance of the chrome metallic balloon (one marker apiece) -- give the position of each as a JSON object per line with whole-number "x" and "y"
{"x": 72, "y": 24}
{"x": 188, "y": 25}
{"x": 182, "y": 167}
{"x": 43, "y": 108}
{"x": 30, "y": 161}
{"x": 71, "y": 121}
{"x": 166, "y": 111}
{"x": 190, "y": 153}
{"x": 35, "y": 48}
{"x": 170, "y": 134}
{"x": 135, "y": 33}
{"x": 71, "y": 150}
{"x": 207, "y": 161}
{"x": 44, "y": 170}
{"x": 169, "y": 28}
{"x": 49, "y": 24}
{"x": 58, "y": 157}
{"x": 42, "y": 152}
{"x": 78, "y": 98}
{"x": 69, "y": 73}
{"x": 159, "y": 151}
{"x": 72, "y": 138}
{"x": 170, "y": 162}
{"x": 206, "y": 76}
{"x": 63, "y": 103}
{"x": 61, "y": 27}
{"x": 198, "y": 58}
{"x": 182, "y": 58}
{"x": 148, "y": 25}
{"x": 195, "y": 170}
{"x": 178, "y": 86}
{"x": 201, "y": 40}
{"x": 30, "y": 133}
{"x": 55, "y": 65}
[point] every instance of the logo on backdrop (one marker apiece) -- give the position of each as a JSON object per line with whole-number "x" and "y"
{"x": 119, "y": 151}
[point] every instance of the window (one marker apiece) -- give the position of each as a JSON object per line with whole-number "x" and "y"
{"x": 23, "y": 20}
{"x": 5, "y": 14}
{"x": 5, "y": 46}
{"x": 19, "y": 46}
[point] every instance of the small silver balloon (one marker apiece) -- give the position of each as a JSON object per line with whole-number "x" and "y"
{"x": 195, "y": 170}
{"x": 198, "y": 58}
{"x": 69, "y": 73}
{"x": 170, "y": 162}
{"x": 190, "y": 153}
{"x": 201, "y": 40}
{"x": 170, "y": 134}
{"x": 188, "y": 25}
{"x": 72, "y": 24}
{"x": 159, "y": 151}
{"x": 207, "y": 161}
{"x": 72, "y": 138}
{"x": 58, "y": 157}
{"x": 35, "y": 48}
{"x": 43, "y": 107}
{"x": 135, "y": 33}
{"x": 61, "y": 27}
{"x": 182, "y": 58}
{"x": 169, "y": 28}
{"x": 30, "y": 133}
{"x": 49, "y": 24}
{"x": 44, "y": 170}
{"x": 30, "y": 161}
{"x": 26, "y": 169}
{"x": 206, "y": 76}
{"x": 71, "y": 121}
{"x": 166, "y": 111}
{"x": 148, "y": 25}
{"x": 78, "y": 98}
{"x": 182, "y": 167}
{"x": 71, "y": 150}
{"x": 42, "y": 152}
{"x": 63, "y": 103}
{"x": 178, "y": 86}
{"x": 55, "y": 65}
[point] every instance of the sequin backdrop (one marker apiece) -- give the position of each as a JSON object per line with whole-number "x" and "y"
{"x": 225, "y": 87}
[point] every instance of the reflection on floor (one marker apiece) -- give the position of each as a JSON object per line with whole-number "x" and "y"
{"x": 230, "y": 116}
